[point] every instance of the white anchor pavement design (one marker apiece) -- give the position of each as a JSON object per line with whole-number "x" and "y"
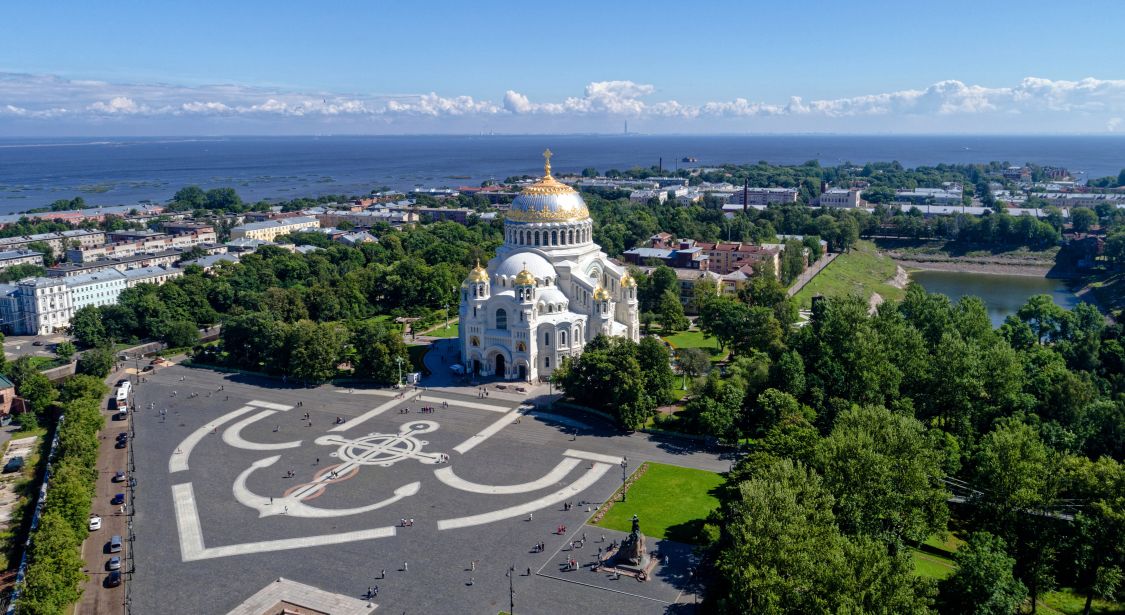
{"x": 374, "y": 449}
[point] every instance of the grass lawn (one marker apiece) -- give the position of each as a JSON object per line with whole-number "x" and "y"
{"x": 931, "y": 566}
{"x": 441, "y": 331}
{"x": 1069, "y": 601}
{"x": 696, "y": 339}
{"x": 671, "y": 502}
{"x": 861, "y": 271}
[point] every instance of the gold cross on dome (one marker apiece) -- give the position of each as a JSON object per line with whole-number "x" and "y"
{"x": 547, "y": 162}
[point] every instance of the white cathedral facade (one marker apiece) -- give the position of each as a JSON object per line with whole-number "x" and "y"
{"x": 549, "y": 290}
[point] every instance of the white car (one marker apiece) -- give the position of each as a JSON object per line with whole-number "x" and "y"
{"x": 95, "y": 523}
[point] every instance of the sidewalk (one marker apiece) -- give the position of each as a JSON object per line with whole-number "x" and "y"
{"x": 811, "y": 272}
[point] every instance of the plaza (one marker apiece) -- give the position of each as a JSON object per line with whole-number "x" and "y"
{"x": 236, "y": 488}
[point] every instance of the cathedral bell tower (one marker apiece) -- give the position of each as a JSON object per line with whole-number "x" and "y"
{"x": 603, "y": 311}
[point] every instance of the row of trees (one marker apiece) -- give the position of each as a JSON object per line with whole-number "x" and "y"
{"x": 625, "y": 379}
{"x": 54, "y": 578}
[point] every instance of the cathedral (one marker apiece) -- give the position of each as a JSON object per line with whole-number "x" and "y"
{"x": 549, "y": 290}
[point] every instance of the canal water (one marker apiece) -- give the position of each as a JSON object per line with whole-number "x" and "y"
{"x": 1003, "y": 294}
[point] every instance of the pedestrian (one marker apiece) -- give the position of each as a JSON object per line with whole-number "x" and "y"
{"x": 603, "y": 537}
{"x": 271, "y": 500}
{"x": 403, "y": 521}
{"x": 583, "y": 536}
{"x": 404, "y": 567}
{"x": 470, "y": 580}
{"x": 287, "y": 510}
{"x": 473, "y": 565}
{"x": 382, "y": 574}
{"x": 529, "y": 571}
{"x": 530, "y": 516}
{"x": 318, "y": 461}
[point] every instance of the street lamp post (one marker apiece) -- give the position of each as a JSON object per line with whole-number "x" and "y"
{"x": 399, "y": 361}
{"x": 624, "y": 476}
{"x": 511, "y": 590}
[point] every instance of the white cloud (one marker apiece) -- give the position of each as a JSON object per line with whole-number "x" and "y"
{"x": 1032, "y": 103}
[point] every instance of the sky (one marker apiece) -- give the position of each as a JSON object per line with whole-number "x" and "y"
{"x": 70, "y": 68}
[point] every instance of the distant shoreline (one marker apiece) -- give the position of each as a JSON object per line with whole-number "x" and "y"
{"x": 970, "y": 266}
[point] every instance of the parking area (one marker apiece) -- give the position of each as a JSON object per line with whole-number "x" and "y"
{"x": 241, "y": 481}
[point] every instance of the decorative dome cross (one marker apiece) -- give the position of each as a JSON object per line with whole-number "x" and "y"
{"x": 547, "y": 162}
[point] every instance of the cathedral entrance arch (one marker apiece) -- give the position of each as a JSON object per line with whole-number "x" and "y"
{"x": 500, "y": 365}
{"x": 522, "y": 371}
{"x": 476, "y": 367}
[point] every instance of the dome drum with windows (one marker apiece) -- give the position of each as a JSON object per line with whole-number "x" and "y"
{"x": 549, "y": 290}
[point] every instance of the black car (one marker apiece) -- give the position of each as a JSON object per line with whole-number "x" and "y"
{"x": 123, "y": 436}
{"x": 118, "y": 499}
{"x": 113, "y": 579}
{"x": 121, "y": 443}
{"x": 37, "y": 343}
{"x": 15, "y": 464}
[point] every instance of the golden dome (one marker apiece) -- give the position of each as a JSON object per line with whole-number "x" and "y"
{"x": 548, "y": 200}
{"x": 627, "y": 281}
{"x": 525, "y": 278}
{"x": 478, "y": 274}
{"x": 601, "y": 294}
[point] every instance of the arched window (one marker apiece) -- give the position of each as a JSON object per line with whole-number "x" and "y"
{"x": 474, "y": 341}
{"x": 554, "y": 238}
{"x": 521, "y": 347}
{"x": 536, "y": 237}
{"x": 546, "y": 339}
{"x": 546, "y": 361}
{"x": 570, "y": 233}
{"x": 562, "y": 338}
{"x": 501, "y": 319}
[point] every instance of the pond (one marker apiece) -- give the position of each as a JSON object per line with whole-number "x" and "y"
{"x": 1003, "y": 294}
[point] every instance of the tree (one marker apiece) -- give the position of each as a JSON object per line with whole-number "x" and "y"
{"x": 87, "y": 327}
{"x": 97, "y": 362}
{"x": 39, "y": 393}
{"x": 180, "y": 334}
{"x": 983, "y": 583}
{"x": 82, "y": 386}
{"x": 54, "y": 575}
{"x": 671, "y": 313}
{"x": 692, "y": 362}
{"x": 1082, "y": 219}
{"x": 886, "y": 476}
{"x": 254, "y": 340}
{"x": 1043, "y": 315}
{"x": 315, "y": 350}
{"x": 65, "y": 350}
{"x": 780, "y": 551}
{"x": 654, "y": 360}
{"x": 607, "y": 376}
{"x": 379, "y": 352}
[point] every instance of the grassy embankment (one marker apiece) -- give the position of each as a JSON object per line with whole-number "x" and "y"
{"x": 863, "y": 271}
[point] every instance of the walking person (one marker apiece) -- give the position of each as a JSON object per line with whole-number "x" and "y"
{"x": 405, "y": 567}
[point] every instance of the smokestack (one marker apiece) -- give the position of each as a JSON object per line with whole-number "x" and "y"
{"x": 660, "y": 165}
{"x": 745, "y": 194}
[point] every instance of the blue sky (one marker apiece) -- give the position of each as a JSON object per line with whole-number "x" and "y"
{"x": 400, "y": 67}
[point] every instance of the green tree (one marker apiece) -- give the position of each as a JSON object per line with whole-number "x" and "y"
{"x": 97, "y": 362}
{"x": 654, "y": 360}
{"x": 983, "y": 583}
{"x": 180, "y": 334}
{"x": 65, "y": 350}
{"x": 671, "y": 313}
{"x": 82, "y": 386}
{"x": 1082, "y": 219}
{"x": 886, "y": 476}
{"x": 254, "y": 340}
{"x": 39, "y": 393}
{"x": 692, "y": 362}
{"x": 315, "y": 350}
{"x": 87, "y": 327}
{"x": 378, "y": 351}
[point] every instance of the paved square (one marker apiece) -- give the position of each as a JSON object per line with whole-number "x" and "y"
{"x": 236, "y": 487}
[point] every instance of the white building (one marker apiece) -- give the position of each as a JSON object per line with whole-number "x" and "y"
{"x": 549, "y": 290}
{"x": 840, "y": 197}
{"x": 269, "y": 230}
{"x": 35, "y": 306}
{"x": 763, "y": 196}
{"x": 11, "y": 258}
{"x": 99, "y": 288}
{"x": 150, "y": 275}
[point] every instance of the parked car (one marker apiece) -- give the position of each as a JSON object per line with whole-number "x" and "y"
{"x": 114, "y": 579}
{"x": 123, "y": 435}
{"x": 121, "y": 415}
{"x": 118, "y": 499}
{"x": 119, "y": 476}
{"x": 121, "y": 443}
{"x": 114, "y": 563}
{"x": 95, "y": 523}
{"x": 15, "y": 464}
{"x": 37, "y": 343}
{"x": 115, "y": 544}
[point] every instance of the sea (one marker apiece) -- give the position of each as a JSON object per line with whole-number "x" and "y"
{"x": 126, "y": 171}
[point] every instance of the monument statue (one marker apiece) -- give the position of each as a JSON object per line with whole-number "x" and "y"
{"x": 633, "y": 547}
